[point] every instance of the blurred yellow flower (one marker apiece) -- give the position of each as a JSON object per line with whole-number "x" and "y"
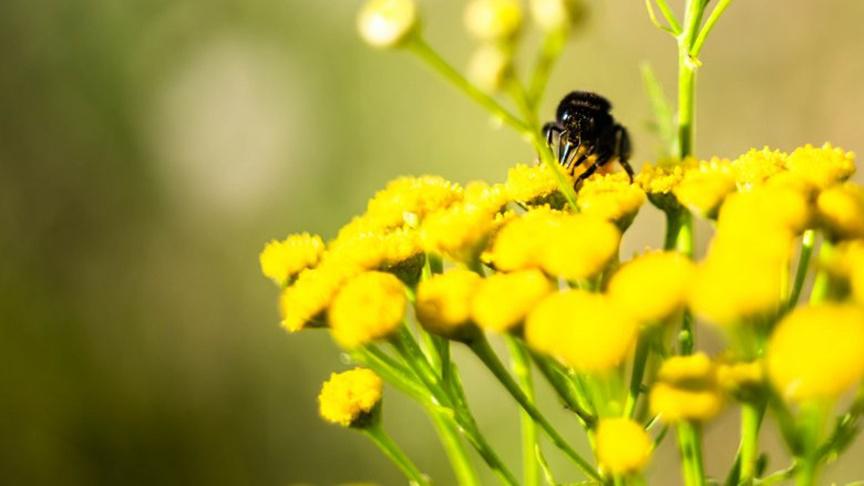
{"x": 406, "y": 200}
{"x": 623, "y": 446}
{"x": 370, "y": 306}
{"x": 557, "y": 15}
{"x": 736, "y": 377}
{"x": 816, "y": 352}
{"x": 444, "y": 302}
{"x": 686, "y": 389}
{"x": 349, "y": 396}
{"x": 459, "y": 231}
{"x": 822, "y": 166}
{"x": 757, "y": 166}
{"x": 503, "y": 300}
{"x": 653, "y": 286}
{"x": 841, "y": 211}
{"x": 582, "y": 330}
{"x": 283, "y": 260}
{"x": 611, "y": 197}
{"x": 311, "y": 294}
{"x": 493, "y": 20}
{"x": 387, "y": 23}
{"x": 491, "y": 67}
{"x": 705, "y": 185}
{"x": 530, "y": 184}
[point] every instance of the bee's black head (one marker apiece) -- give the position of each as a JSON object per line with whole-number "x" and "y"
{"x": 586, "y": 102}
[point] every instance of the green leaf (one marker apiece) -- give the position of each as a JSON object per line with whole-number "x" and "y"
{"x": 663, "y": 122}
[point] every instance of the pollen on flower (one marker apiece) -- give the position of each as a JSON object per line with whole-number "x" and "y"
{"x": 623, "y": 446}
{"x": 444, "y": 302}
{"x": 282, "y": 260}
{"x": 704, "y": 186}
{"x": 841, "y": 211}
{"x": 493, "y": 20}
{"x": 479, "y": 194}
{"x": 757, "y": 166}
{"x": 387, "y": 23}
{"x": 611, "y": 197}
{"x": 815, "y": 352}
{"x": 374, "y": 250}
{"x": 582, "y": 330}
{"x": 306, "y": 300}
{"x": 686, "y": 389}
{"x": 369, "y": 306}
{"x": 822, "y": 166}
{"x": 531, "y": 184}
{"x": 652, "y": 287}
{"x": 408, "y": 199}
{"x": 347, "y": 397}
{"x": 656, "y": 179}
{"x": 459, "y": 232}
{"x": 503, "y": 300}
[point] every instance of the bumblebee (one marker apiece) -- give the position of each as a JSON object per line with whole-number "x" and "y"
{"x": 587, "y": 131}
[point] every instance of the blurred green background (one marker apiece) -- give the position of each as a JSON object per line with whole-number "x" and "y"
{"x": 149, "y": 148}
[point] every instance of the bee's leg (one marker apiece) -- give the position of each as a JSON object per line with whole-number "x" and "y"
{"x": 551, "y": 129}
{"x": 588, "y": 173}
{"x": 564, "y": 153}
{"x": 622, "y": 148}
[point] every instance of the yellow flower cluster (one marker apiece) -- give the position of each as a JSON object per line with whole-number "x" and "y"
{"x": 369, "y": 306}
{"x": 283, "y": 260}
{"x": 686, "y": 389}
{"x": 349, "y": 397}
{"x": 652, "y": 287}
{"x": 611, "y": 197}
{"x": 623, "y": 446}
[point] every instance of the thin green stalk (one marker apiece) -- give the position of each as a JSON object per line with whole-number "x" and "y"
{"x": 521, "y": 364}
{"x": 709, "y": 24}
{"x": 822, "y": 282}
{"x": 458, "y": 456}
{"x": 808, "y": 239}
{"x": 687, "y": 76}
{"x": 392, "y": 372}
{"x": 690, "y": 444}
{"x": 669, "y": 16}
{"x": 565, "y": 389}
{"x": 751, "y": 419}
{"x": 482, "y": 350}
{"x": 806, "y": 473}
{"x": 395, "y": 454}
{"x": 550, "y": 52}
{"x": 640, "y": 359}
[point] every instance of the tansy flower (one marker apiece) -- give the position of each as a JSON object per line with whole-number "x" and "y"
{"x": 815, "y": 352}
{"x": 408, "y": 199}
{"x": 658, "y": 182}
{"x": 757, "y": 166}
{"x": 557, "y": 15}
{"x": 519, "y": 242}
{"x": 444, "y": 302}
{"x": 579, "y": 247}
{"x": 459, "y": 232}
{"x": 653, "y": 286}
{"x": 282, "y": 260}
{"x": 493, "y": 20}
{"x": 370, "y": 306}
{"x": 739, "y": 379}
{"x": 582, "y": 330}
{"x": 533, "y": 185}
{"x": 306, "y": 300}
{"x": 492, "y": 198}
{"x": 623, "y": 446}
{"x": 823, "y": 166}
{"x": 704, "y": 186}
{"x": 611, "y": 197}
{"x": 348, "y": 398}
{"x": 504, "y": 299}
{"x": 766, "y": 208}
{"x": 686, "y": 389}
{"x": 375, "y": 250}
{"x": 387, "y": 23}
{"x": 841, "y": 211}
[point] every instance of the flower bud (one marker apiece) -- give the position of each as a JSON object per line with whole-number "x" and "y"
{"x": 491, "y": 67}
{"x": 493, "y": 20}
{"x": 387, "y": 23}
{"x": 554, "y": 15}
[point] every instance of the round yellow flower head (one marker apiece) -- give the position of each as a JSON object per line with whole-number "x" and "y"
{"x": 444, "y": 302}
{"x": 493, "y": 20}
{"x": 556, "y": 15}
{"x": 611, "y": 197}
{"x": 686, "y": 389}
{"x": 306, "y": 300}
{"x": 519, "y": 242}
{"x": 757, "y": 166}
{"x": 815, "y": 352}
{"x": 375, "y": 250}
{"x": 408, "y": 199}
{"x": 282, "y": 260}
{"x": 623, "y": 446}
{"x": 531, "y": 184}
{"x": 491, "y": 67}
{"x": 740, "y": 378}
{"x": 765, "y": 208}
{"x": 841, "y": 211}
{"x": 579, "y": 247}
{"x": 504, "y": 299}
{"x": 481, "y": 195}
{"x": 349, "y": 398}
{"x": 704, "y": 186}
{"x": 459, "y": 232}
{"x": 653, "y": 286}
{"x": 387, "y": 23}
{"x": 823, "y": 166}
{"x": 370, "y": 306}
{"x": 582, "y": 330}
{"x": 660, "y": 181}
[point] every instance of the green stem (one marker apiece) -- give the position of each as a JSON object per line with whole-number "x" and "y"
{"x": 687, "y": 76}
{"x": 806, "y": 473}
{"x": 822, "y": 282}
{"x": 448, "y": 432}
{"x": 395, "y": 454}
{"x": 640, "y": 359}
{"x": 709, "y": 24}
{"x": 808, "y": 239}
{"x": 690, "y": 443}
{"x": 565, "y": 388}
{"x": 481, "y": 348}
{"x": 521, "y": 365}
{"x": 669, "y": 16}
{"x": 550, "y": 51}
{"x": 751, "y": 419}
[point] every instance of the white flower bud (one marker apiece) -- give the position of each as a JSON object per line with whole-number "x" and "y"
{"x": 387, "y": 23}
{"x": 490, "y": 67}
{"x": 493, "y": 20}
{"x": 553, "y": 15}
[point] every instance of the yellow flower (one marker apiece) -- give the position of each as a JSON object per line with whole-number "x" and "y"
{"x": 519, "y": 242}
{"x": 686, "y": 389}
{"x": 493, "y": 20}
{"x": 370, "y": 306}
{"x": 533, "y": 184}
{"x": 582, "y": 330}
{"x": 579, "y": 247}
{"x": 823, "y": 166}
{"x": 459, "y": 232}
{"x": 765, "y": 208}
{"x": 656, "y": 179}
{"x": 491, "y": 67}
{"x": 349, "y": 397}
{"x": 504, "y": 299}
{"x": 444, "y": 302}
{"x": 611, "y": 197}
{"x": 841, "y": 211}
{"x": 757, "y": 166}
{"x": 387, "y": 23}
{"x": 704, "y": 186}
{"x": 283, "y": 260}
{"x": 311, "y": 294}
{"x": 492, "y": 198}
{"x": 738, "y": 377}
{"x": 623, "y": 446}
{"x": 374, "y": 250}
{"x": 407, "y": 199}
{"x": 653, "y": 286}
{"x": 556, "y": 15}
{"x": 816, "y": 352}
